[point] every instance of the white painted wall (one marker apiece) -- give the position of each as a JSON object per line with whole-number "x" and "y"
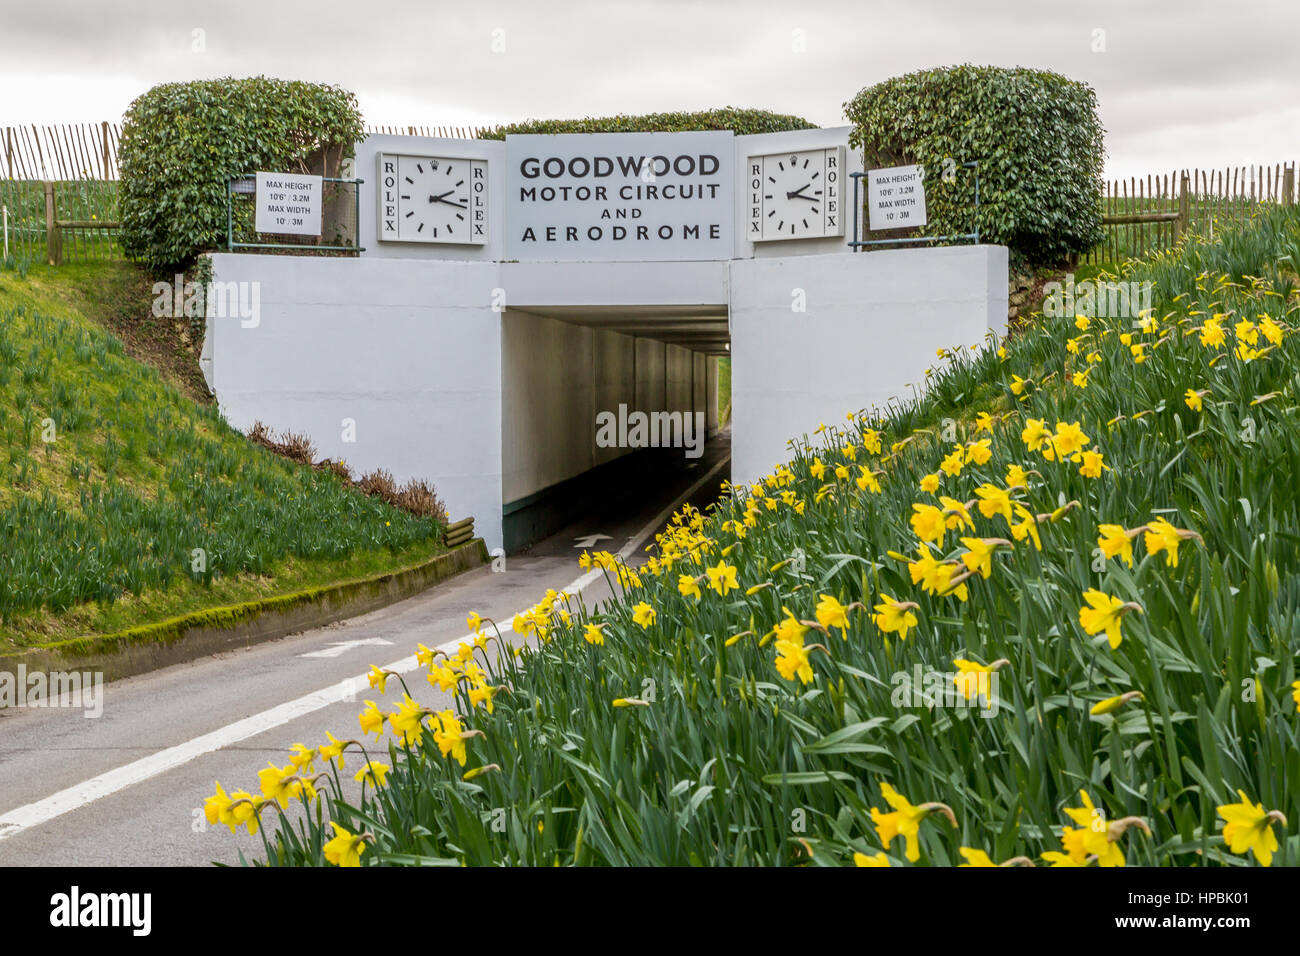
{"x": 872, "y": 325}
{"x": 410, "y": 350}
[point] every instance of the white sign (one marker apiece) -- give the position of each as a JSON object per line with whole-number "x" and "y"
{"x": 288, "y": 204}
{"x": 633, "y": 196}
{"x": 896, "y": 197}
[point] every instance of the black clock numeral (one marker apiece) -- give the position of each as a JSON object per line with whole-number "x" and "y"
{"x": 409, "y": 180}
{"x": 420, "y": 228}
{"x": 772, "y": 213}
{"x": 410, "y": 214}
{"x": 406, "y": 197}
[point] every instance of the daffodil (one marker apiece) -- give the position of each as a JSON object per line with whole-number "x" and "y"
{"x": 722, "y": 578}
{"x": 904, "y": 820}
{"x": 1114, "y": 540}
{"x": 333, "y": 750}
{"x": 372, "y": 719}
{"x": 994, "y": 501}
{"x": 894, "y": 616}
{"x": 643, "y": 614}
{"x": 1026, "y": 527}
{"x": 831, "y": 613}
{"x": 374, "y": 772}
{"x": 928, "y": 523}
{"x": 974, "y": 857}
{"x": 930, "y": 483}
{"x": 1249, "y": 828}
{"x": 979, "y": 452}
{"x": 344, "y": 849}
{"x": 1112, "y": 704}
{"x": 593, "y": 634}
{"x": 1104, "y": 613}
{"x": 979, "y": 554}
{"x": 1069, "y": 439}
{"x": 876, "y": 859}
{"x": 1093, "y": 464}
{"x": 1163, "y": 536}
{"x": 972, "y": 677}
{"x": 1035, "y": 434}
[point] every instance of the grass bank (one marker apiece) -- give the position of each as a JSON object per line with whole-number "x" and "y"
{"x": 124, "y": 500}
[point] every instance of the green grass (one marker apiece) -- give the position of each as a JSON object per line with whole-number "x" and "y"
{"x": 719, "y": 756}
{"x": 124, "y": 501}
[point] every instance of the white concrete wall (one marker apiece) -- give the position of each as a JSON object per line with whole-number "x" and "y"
{"x": 547, "y": 404}
{"x": 872, "y": 325}
{"x": 411, "y": 351}
{"x": 614, "y": 358}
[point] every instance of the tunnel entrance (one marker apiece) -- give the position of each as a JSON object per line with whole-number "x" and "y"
{"x": 604, "y": 412}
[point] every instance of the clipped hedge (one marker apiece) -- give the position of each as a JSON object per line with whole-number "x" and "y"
{"x": 181, "y": 143}
{"x": 742, "y": 122}
{"x": 1035, "y": 135}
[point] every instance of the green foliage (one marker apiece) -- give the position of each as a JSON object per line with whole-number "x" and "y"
{"x": 722, "y": 759}
{"x": 1035, "y": 135}
{"x": 182, "y": 142}
{"x": 742, "y": 122}
{"x": 112, "y": 480}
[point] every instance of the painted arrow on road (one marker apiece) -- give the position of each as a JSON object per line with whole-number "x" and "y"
{"x": 342, "y": 647}
{"x": 589, "y": 540}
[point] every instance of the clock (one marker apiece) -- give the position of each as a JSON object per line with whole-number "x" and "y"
{"x": 795, "y": 195}
{"x": 442, "y": 199}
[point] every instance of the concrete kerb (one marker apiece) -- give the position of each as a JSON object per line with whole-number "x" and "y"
{"x": 140, "y": 650}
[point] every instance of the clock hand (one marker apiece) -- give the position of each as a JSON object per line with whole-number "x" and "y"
{"x": 438, "y": 198}
{"x": 798, "y": 194}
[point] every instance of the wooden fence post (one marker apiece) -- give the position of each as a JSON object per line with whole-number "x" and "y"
{"x": 9, "y": 152}
{"x": 51, "y": 230}
{"x": 1184, "y": 209}
{"x": 103, "y": 129}
{"x": 1288, "y": 185}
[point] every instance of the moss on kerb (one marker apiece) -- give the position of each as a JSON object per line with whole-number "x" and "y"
{"x": 231, "y": 616}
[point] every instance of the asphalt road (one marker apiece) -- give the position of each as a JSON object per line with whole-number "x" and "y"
{"x": 127, "y": 788}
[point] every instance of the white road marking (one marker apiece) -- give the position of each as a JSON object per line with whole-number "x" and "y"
{"x": 589, "y": 540}
{"x": 342, "y": 647}
{"x": 106, "y": 784}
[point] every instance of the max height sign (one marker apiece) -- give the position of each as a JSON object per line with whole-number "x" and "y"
{"x": 636, "y": 196}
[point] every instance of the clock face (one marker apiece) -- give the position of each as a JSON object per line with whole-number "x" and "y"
{"x": 432, "y": 199}
{"x": 795, "y": 195}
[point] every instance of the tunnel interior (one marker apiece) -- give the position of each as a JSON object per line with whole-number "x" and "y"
{"x": 604, "y": 408}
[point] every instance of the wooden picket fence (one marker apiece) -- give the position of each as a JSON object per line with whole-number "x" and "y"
{"x": 446, "y": 132}
{"x": 1152, "y": 213}
{"x": 80, "y": 151}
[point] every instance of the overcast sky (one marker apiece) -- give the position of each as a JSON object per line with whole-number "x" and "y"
{"x": 1180, "y": 83}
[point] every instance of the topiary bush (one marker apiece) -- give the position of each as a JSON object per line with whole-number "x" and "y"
{"x": 1035, "y": 135}
{"x": 742, "y": 122}
{"x": 182, "y": 142}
